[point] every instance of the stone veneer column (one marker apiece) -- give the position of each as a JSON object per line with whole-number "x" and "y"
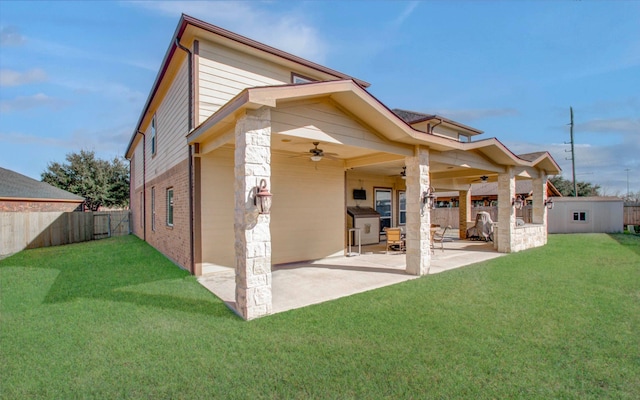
{"x": 464, "y": 211}
{"x": 252, "y": 234}
{"x": 506, "y": 212}
{"x": 539, "y": 197}
{"x": 418, "y": 225}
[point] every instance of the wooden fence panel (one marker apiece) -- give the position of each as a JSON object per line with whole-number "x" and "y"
{"x": 631, "y": 215}
{"x": 19, "y": 231}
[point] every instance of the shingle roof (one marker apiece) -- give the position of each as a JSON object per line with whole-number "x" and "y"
{"x": 532, "y": 156}
{"x": 411, "y": 116}
{"x": 13, "y": 184}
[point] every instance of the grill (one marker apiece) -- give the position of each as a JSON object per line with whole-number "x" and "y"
{"x": 367, "y": 220}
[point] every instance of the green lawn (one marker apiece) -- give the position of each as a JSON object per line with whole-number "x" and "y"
{"x": 115, "y": 319}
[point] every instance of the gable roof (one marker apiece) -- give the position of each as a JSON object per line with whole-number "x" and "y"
{"x": 412, "y": 117}
{"x": 17, "y": 186}
{"x": 364, "y": 106}
{"x": 185, "y": 22}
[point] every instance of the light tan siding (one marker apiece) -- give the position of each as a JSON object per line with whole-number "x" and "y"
{"x": 324, "y": 122}
{"x": 225, "y": 72}
{"x": 218, "y": 239}
{"x": 308, "y": 213}
{"x": 358, "y": 180}
{"x": 172, "y": 125}
{"x": 137, "y": 161}
{"x": 307, "y": 218}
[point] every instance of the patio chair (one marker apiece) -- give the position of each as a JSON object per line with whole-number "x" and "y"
{"x": 394, "y": 238}
{"x": 438, "y": 237}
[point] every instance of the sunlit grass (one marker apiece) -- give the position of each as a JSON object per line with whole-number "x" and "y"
{"x": 115, "y": 319}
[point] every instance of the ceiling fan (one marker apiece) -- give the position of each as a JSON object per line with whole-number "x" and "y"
{"x": 317, "y": 154}
{"x": 482, "y": 179}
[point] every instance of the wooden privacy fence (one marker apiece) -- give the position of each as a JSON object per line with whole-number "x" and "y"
{"x": 19, "y": 231}
{"x": 631, "y": 215}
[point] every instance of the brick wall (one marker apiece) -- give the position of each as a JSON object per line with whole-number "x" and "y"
{"x": 172, "y": 241}
{"x": 38, "y": 206}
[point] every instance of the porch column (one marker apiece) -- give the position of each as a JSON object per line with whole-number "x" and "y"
{"x": 506, "y": 212}
{"x": 418, "y": 216}
{"x": 539, "y": 197}
{"x": 464, "y": 211}
{"x": 252, "y": 234}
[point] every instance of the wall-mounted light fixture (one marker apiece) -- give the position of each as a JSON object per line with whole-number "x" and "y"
{"x": 429, "y": 198}
{"x": 262, "y": 199}
{"x": 517, "y": 202}
{"x": 549, "y": 203}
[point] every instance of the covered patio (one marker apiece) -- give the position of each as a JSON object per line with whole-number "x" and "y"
{"x": 298, "y": 285}
{"x": 262, "y": 140}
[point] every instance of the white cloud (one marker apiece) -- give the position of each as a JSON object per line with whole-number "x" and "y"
{"x": 612, "y": 125}
{"x": 10, "y": 77}
{"x": 406, "y": 13}
{"x": 107, "y": 142}
{"x": 11, "y": 36}
{"x": 27, "y": 102}
{"x": 290, "y": 31}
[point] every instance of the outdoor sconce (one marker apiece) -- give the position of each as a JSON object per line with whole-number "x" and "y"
{"x": 429, "y": 198}
{"x": 549, "y": 203}
{"x": 517, "y": 202}
{"x": 262, "y": 199}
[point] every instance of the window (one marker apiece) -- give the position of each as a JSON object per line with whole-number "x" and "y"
{"x": 295, "y": 79}
{"x": 154, "y": 146}
{"x": 153, "y": 208}
{"x": 580, "y": 216}
{"x": 402, "y": 207}
{"x": 170, "y": 207}
{"x": 383, "y": 206}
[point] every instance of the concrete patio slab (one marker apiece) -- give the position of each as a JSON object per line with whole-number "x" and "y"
{"x": 301, "y": 284}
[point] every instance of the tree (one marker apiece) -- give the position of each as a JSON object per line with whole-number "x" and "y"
{"x": 585, "y": 189}
{"x": 100, "y": 182}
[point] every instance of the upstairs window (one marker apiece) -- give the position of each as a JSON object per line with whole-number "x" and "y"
{"x": 296, "y": 79}
{"x": 154, "y": 146}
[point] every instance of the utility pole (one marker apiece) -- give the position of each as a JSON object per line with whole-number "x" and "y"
{"x": 573, "y": 156}
{"x": 628, "y": 169}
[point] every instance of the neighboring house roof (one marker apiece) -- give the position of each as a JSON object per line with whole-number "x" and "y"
{"x": 491, "y": 189}
{"x": 15, "y": 186}
{"x": 412, "y": 117}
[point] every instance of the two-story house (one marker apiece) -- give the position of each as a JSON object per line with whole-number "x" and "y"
{"x": 229, "y": 119}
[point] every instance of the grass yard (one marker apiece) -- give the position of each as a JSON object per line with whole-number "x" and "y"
{"x": 115, "y": 319}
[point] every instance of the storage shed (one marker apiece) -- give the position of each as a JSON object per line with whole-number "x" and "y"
{"x": 586, "y": 215}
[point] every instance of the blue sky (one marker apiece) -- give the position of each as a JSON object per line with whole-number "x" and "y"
{"x": 75, "y": 75}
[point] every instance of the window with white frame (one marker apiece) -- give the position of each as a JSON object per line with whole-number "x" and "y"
{"x": 295, "y": 79}
{"x": 154, "y": 139}
{"x": 170, "y": 207}
{"x": 153, "y": 208}
{"x": 402, "y": 207}
{"x": 579, "y": 216}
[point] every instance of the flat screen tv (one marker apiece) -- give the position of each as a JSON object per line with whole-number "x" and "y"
{"x": 359, "y": 194}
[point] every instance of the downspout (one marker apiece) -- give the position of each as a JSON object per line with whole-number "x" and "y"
{"x": 432, "y": 127}
{"x": 144, "y": 184}
{"x": 192, "y": 267}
